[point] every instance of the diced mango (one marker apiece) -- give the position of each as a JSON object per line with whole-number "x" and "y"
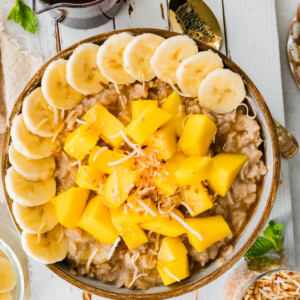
{"x": 197, "y": 135}
{"x": 171, "y": 248}
{"x": 138, "y": 106}
{"x": 116, "y": 187}
{"x": 100, "y": 157}
{"x": 96, "y": 220}
{"x": 88, "y": 178}
{"x": 225, "y": 168}
{"x": 134, "y": 236}
{"x": 193, "y": 170}
{"x": 165, "y": 225}
{"x": 173, "y": 105}
{"x": 108, "y": 124}
{"x": 197, "y": 198}
{"x": 173, "y": 164}
{"x": 179, "y": 269}
{"x": 212, "y": 230}
{"x": 164, "y": 141}
{"x": 126, "y": 215}
{"x": 79, "y": 142}
{"x": 148, "y": 121}
{"x": 69, "y": 206}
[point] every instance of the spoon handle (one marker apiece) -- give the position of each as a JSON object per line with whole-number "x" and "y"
{"x": 288, "y": 145}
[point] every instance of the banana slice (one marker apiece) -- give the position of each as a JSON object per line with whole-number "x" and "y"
{"x": 37, "y": 219}
{"x": 31, "y": 169}
{"x": 221, "y": 91}
{"x": 39, "y": 117}
{"x": 56, "y": 89}
{"x": 194, "y": 69}
{"x": 137, "y": 56}
{"x": 110, "y": 58}
{"x": 7, "y": 276}
{"x": 30, "y": 145}
{"x": 169, "y": 54}
{"x": 27, "y": 192}
{"x": 83, "y": 73}
{"x": 5, "y": 296}
{"x": 47, "y": 248}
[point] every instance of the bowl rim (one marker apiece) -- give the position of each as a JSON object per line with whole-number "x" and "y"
{"x": 189, "y": 287}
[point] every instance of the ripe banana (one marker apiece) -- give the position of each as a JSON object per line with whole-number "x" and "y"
{"x": 83, "y": 73}
{"x": 56, "y": 89}
{"x": 7, "y": 276}
{"x": 110, "y": 58}
{"x": 169, "y": 54}
{"x": 47, "y": 248}
{"x": 137, "y": 56}
{"x": 30, "y": 145}
{"x": 194, "y": 69}
{"x": 31, "y": 169}
{"x": 221, "y": 91}
{"x": 38, "y": 116}
{"x": 27, "y": 192}
{"x": 37, "y": 219}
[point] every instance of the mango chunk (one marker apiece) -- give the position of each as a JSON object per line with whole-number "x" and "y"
{"x": 212, "y": 230}
{"x": 96, "y": 220}
{"x": 100, "y": 157}
{"x": 69, "y": 206}
{"x": 165, "y": 225}
{"x": 79, "y": 142}
{"x": 164, "y": 141}
{"x": 179, "y": 269}
{"x": 138, "y": 106}
{"x": 117, "y": 187}
{"x": 197, "y": 135}
{"x": 173, "y": 105}
{"x": 193, "y": 170}
{"x": 108, "y": 124}
{"x": 148, "y": 121}
{"x": 197, "y": 198}
{"x": 225, "y": 168}
{"x": 171, "y": 248}
{"x": 127, "y": 215}
{"x": 88, "y": 178}
{"x": 134, "y": 237}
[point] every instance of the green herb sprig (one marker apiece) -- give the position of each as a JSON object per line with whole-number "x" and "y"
{"x": 272, "y": 240}
{"x": 21, "y": 13}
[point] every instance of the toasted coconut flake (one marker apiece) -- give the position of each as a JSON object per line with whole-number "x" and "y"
{"x": 185, "y": 119}
{"x": 252, "y": 107}
{"x": 98, "y": 153}
{"x": 121, "y": 160}
{"x": 42, "y": 122}
{"x": 171, "y": 274}
{"x": 129, "y": 188}
{"x": 146, "y": 190}
{"x": 175, "y": 89}
{"x": 77, "y": 162}
{"x": 88, "y": 264}
{"x": 81, "y": 122}
{"x": 189, "y": 209}
{"x": 113, "y": 248}
{"x": 147, "y": 208}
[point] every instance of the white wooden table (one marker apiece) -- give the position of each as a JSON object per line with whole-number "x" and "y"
{"x": 251, "y": 40}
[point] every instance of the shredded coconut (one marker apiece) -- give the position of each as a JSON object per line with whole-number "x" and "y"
{"x": 171, "y": 274}
{"x": 147, "y": 208}
{"x": 42, "y": 122}
{"x": 98, "y": 153}
{"x": 88, "y": 264}
{"x": 121, "y": 160}
{"x": 81, "y": 122}
{"x": 175, "y": 89}
{"x": 191, "y": 212}
{"x": 146, "y": 190}
{"x": 113, "y": 248}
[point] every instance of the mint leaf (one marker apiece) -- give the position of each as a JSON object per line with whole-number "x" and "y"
{"x": 273, "y": 233}
{"x": 260, "y": 247}
{"x": 21, "y": 13}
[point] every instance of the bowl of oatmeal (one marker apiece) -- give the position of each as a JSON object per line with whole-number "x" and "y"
{"x": 140, "y": 163}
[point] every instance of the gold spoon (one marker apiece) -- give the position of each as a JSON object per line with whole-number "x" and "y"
{"x": 195, "y": 18}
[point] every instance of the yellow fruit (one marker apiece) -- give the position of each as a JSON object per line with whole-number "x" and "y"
{"x": 117, "y": 186}
{"x": 164, "y": 140}
{"x": 165, "y": 225}
{"x": 193, "y": 170}
{"x": 212, "y": 230}
{"x": 7, "y": 276}
{"x": 88, "y": 178}
{"x": 197, "y": 198}
{"x": 79, "y": 142}
{"x": 96, "y": 220}
{"x": 173, "y": 105}
{"x": 138, "y": 106}
{"x": 171, "y": 248}
{"x": 69, "y": 206}
{"x": 100, "y": 157}
{"x": 134, "y": 236}
{"x": 225, "y": 168}
{"x": 108, "y": 124}
{"x": 179, "y": 269}
{"x": 149, "y": 120}
{"x": 197, "y": 135}
{"x": 5, "y": 296}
